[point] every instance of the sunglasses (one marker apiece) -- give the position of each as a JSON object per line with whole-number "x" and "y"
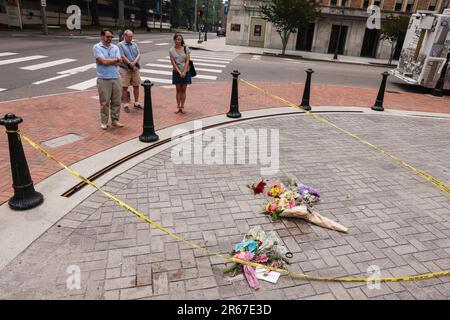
{"x": 109, "y": 37}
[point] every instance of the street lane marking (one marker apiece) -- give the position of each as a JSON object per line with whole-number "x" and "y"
{"x": 155, "y": 71}
{"x": 84, "y": 85}
{"x": 145, "y": 41}
{"x": 66, "y": 73}
{"x": 4, "y": 54}
{"x": 198, "y": 64}
{"x": 51, "y": 79}
{"x": 204, "y": 60}
{"x": 157, "y": 80}
{"x": 169, "y": 73}
{"x": 8, "y": 61}
{"x": 162, "y": 44}
{"x": 79, "y": 69}
{"x": 210, "y": 57}
{"x": 169, "y": 66}
{"x": 256, "y": 57}
{"x": 48, "y": 64}
{"x": 1, "y": 89}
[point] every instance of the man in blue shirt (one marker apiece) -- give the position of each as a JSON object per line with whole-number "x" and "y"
{"x": 129, "y": 69}
{"x": 107, "y": 57}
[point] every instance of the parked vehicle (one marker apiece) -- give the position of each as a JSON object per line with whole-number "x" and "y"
{"x": 220, "y": 32}
{"x": 426, "y": 50}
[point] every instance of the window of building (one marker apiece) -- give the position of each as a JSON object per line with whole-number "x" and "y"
{"x": 398, "y": 5}
{"x": 409, "y": 5}
{"x": 432, "y": 5}
{"x": 343, "y": 3}
{"x": 444, "y": 5}
{"x": 257, "y": 31}
{"x": 365, "y": 4}
{"x": 377, "y": 3}
{"x": 333, "y": 2}
{"x": 235, "y": 27}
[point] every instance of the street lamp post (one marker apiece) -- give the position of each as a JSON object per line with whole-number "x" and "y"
{"x": 340, "y": 32}
{"x": 195, "y": 15}
{"x": 206, "y": 21}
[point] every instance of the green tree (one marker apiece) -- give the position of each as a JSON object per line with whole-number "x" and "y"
{"x": 393, "y": 29}
{"x": 182, "y": 13}
{"x": 288, "y": 16}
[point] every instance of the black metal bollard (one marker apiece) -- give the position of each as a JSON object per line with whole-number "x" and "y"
{"x": 148, "y": 135}
{"x": 378, "y": 106}
{"x": 306, "y": 92}
{"x": 25, "y": 197}
{"x": 234, "y": 104}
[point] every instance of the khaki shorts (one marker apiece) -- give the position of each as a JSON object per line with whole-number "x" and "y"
{"x": 130, "y": 78}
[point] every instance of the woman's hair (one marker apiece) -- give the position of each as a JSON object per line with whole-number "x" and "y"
{"x": 179, "y": 35}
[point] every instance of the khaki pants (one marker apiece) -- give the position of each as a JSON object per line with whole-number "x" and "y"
{"x": 109, "y": 92}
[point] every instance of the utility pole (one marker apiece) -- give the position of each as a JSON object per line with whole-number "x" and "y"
{"x": 195, "y": 16}
{"x": 44, "y": 16}
{"x": 160, "y": 17}
{"x": 206, "y": 21}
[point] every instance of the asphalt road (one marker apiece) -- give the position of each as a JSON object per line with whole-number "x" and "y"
{"x": 50, "y": 72}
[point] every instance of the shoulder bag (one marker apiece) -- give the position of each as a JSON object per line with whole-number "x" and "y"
{"x": 191, "y": 66}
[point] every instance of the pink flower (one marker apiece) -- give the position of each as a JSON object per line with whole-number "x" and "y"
{"x": 292, "y": 203}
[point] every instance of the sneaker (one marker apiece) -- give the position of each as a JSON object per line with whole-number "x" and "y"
{"x": 104, "y": 126}
{"x": 137, "y": 105}
{"x": 116, "y": 123}
{"x": 126, "y": 108}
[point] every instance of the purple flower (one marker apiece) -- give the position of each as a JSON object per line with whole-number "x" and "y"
{"x": 302, "y": 189}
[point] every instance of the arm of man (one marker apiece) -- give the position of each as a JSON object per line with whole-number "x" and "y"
{"x": 100, "y": 58}
{"x": 122, "y": 54}
{"x": 138, "y": 57}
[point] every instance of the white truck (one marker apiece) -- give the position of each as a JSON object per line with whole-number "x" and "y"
{"x": 424, "y": 59}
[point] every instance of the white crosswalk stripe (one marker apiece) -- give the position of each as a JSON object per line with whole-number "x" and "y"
{"x": 79, "y": 69}
{"x": 210, "y": 58}
{"x": 198, "y": 63}
{"x": 48, "y": 64}
{"x": 52, "y": 78}
{"x": 208, "y": 65}
{"x": 169, "y": 66}
{"x": 5, "y": 54}
{"x": 9, "y": 61}
{"x": 157, "y": 80}
{"x": 205, "y": 60}
{"x": 162, "y": 44}
{"x": 84, "y": 85}
{"x": 145, "y": 41}
{"x": 169, "y": 73}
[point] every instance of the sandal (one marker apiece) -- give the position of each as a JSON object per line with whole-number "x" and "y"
{"x": 180, "y": 110}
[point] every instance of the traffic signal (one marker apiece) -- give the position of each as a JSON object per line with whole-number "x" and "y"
{"x": 200, "y": 13}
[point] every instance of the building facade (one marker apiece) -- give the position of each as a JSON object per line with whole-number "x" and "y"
{"x": 246, "y": 27}
{"x": 107, "y": 12}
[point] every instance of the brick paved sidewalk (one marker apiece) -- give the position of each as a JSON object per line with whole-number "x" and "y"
{"x": 397, "y": 221}
{"x": 51, "y": 117}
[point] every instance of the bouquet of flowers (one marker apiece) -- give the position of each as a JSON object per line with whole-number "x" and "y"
{"x": 258, "y": 247}
{"x": 294, "y": 200}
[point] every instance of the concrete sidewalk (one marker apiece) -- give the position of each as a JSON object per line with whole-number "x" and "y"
{"x": 219, "y": 45}
{"x": 398, "y": 220}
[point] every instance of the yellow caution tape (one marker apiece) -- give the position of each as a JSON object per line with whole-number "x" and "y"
{"x": 227, "y": 257}
{"x": 421, "y": 173}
